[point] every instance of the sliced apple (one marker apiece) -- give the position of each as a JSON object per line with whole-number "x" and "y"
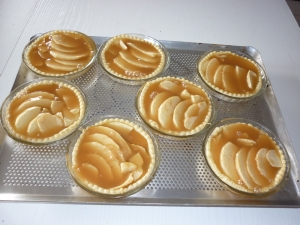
{"x": 127, "y": 167}
{"x": 218, "y": 78}
{"x": 117, "y": 138}
{"x": 229, "y": 78}
{"x": 108, "y": 143}
{"x": 122, "y": 45}
{"x": 246, "y": 142}
{"x": 185, "y": 95}
{"x": 166, "y": 110}
{"x": 33, "y": 129}
{"x": 251, "y": 164}
{"x": 194, "y": 90}
{"x": 122, "y": 128}
{"x": 71, "y": 102}
{"x": 65, "y": 40}
{"x": 43, "y": 103}
{"x": 69, "y": 118}
{"x": 68, "y": 97}
{"x": 227, "y": 161}
{"x": 116, "y": 169}
{"x": 102, "y": 166}
{"x": 240, "y": 162}
{"x": 227, "y": 131}
{"x": 62, "y": 48}
{"x": 194, "y": 114}
{"x": 157, "y": 102}
{"x": 137, "y": 173}
{"x": 68, "y": 56}
{"x": 37, "y": 94}
{"x": 170, "y": 86}
{"x": 26, "y": 117}
{"x": 144, "y": 57}
{"x": 60, "y": 67}
{"x": 251, "y": 79}
{"x": 241, "y": 75}
{"x": 137, "y": 160}
{"x": 77, "y": 62}
{"x": 211, "y": 68}
{"x": 48, "y": 122}
{"x": 97, "y": 148}
{"x": 203, "y": 66}
{"x": 135, "y": 61}
{"x": 193, "y": 110}
{"x": 274, "y": 159}
{"x": 57, "y": 106}
{"x": 128, "y": 181}
{"x": 89, "y": 169}
{"x": 197, "y": 98}
{"x": 179, "y": 111}
{"x": 149, "y": 53}
{"x": 263, "y": 165}
{"x": 141, "y": 150}
{"x": 122, "y": 64}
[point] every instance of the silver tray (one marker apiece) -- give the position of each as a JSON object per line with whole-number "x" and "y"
{"x": 39, "y": 174}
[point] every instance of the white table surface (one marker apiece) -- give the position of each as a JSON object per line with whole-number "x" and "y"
{"x": 267, "y": 25}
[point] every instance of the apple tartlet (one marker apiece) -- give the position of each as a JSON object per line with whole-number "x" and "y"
{"x": 60, "y": 53}
{"x": 246, "y": 158}
{"x": 113, "y": 157}
{"x": 231, "y": 74}
{"x": 44, "y": 111}
{"x": 133, "y": 57}
{"x": 174, "y": 106}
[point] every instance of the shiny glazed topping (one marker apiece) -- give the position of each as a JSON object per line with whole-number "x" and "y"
{"x": 245, "y": 158}
{"x": 60, "y": 52}
{"x": 131, "y": 57}
{"x": 174, "y": 106}
{"x": 230, "y": 74}
{"x": 112, "y": 155}
{"x": 45, "y": 110}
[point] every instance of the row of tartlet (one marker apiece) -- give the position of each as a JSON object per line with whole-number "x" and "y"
{"x": 168, "y": 105}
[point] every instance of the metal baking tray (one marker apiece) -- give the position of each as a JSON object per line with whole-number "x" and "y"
{"x": 39, "y": 174}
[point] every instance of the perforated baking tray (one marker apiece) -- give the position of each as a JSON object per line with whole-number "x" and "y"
{"x": 39, "y": 174}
